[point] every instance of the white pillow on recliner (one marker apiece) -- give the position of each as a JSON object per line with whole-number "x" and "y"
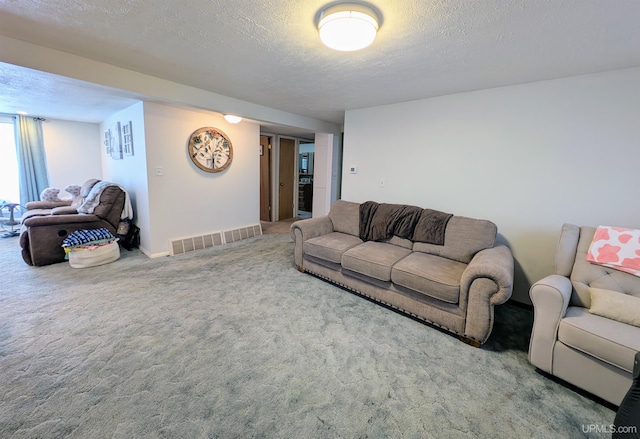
{"x": 616, "y": 306}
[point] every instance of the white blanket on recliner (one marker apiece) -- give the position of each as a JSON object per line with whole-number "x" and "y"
{"x": 617, "y": 248}
{"x": 93, "y": 199}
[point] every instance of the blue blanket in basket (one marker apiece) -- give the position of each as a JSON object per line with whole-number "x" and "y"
{"x": 83, "y": 237}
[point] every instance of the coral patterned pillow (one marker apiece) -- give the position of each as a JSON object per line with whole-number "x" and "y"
{"x": 617, "y": 248}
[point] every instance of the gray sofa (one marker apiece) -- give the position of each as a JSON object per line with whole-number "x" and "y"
{"x": 568, "y": 341}
{"x": 454, "y": 286}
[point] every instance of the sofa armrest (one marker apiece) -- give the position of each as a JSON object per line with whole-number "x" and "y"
{"x": 487, "y": 281}
{"x": 32, "y": 205}
{"x": 52, "y": 220}
{"x": 64, "y": 210}
{"x": 306, "y": 229}
{"x": 495, "y": 264}
{"x": 312, "y": 227}
{"x": 550, "y": 297}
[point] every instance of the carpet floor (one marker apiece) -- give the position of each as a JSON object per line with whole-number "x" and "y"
{"x": 234, "y": 342}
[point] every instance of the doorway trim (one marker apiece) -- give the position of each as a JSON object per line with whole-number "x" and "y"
{"x": 266, "y": 181}
{"x": 275, "y": 173}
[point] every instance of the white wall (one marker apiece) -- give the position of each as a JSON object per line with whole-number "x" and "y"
{"x": 73, "y": 152}
{"x": 527, "y": 157}
{"x": 322, "y": 172}
{"x": 186, "y": 201}
{"x": 131, "y": 171}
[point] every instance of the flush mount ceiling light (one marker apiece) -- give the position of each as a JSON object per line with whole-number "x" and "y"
{"x": 232, "y": 119}
{"x": 348, "y": 26}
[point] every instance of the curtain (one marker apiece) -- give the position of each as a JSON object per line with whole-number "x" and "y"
{"x": 32, "y": 160}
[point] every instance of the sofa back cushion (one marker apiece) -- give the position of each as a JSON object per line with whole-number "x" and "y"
{"x": 464, "y": 237}
{"x": 400, "y": 242}
{"x": 111, "y": 204}
{"x": 345, "y": 216}
{"x": 585, "y": 274}
{"x": 566, "y": 249}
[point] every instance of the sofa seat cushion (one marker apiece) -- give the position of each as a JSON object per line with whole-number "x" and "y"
{"x": 608, "y": 340}
{"x": 331, "y": 246}
{"x": 431, "y": 275}
{"x": 374, "y": 259}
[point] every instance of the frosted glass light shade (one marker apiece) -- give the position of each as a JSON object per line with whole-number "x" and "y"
{"x": 348, "y": 27}
{"x": 232, "y": 119}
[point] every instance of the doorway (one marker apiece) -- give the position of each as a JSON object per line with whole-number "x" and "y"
{"x": 286, "y": 178}
{"x": 306, "y": 149}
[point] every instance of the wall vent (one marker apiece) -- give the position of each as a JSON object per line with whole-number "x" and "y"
{"x": 186, "y": 245}
{"x": 193, "y": 243}
{"x": 242, "y": 233}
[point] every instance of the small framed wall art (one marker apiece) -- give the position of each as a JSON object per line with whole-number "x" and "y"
{"x": 113, "y": 146}
{"x": 210, "y": 149}
{"x": 116, "y": 142}
{"x": 127, "y": 138}
{"x": 107, "y": 142}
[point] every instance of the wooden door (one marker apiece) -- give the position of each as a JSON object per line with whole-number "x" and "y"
{"x": 286, "y": 177}
{"x": 265, "y": 178}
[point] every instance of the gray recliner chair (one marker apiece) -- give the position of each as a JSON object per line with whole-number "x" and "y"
{"x": 592, "y": 352}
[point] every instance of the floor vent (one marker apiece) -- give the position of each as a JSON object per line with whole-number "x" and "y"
{"x": 193, "y": 243}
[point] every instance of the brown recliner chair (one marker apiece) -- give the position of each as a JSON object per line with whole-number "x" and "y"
{"x": 46, "y": 224}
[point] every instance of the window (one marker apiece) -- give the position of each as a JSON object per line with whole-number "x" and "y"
{"x": 9, "y": 185}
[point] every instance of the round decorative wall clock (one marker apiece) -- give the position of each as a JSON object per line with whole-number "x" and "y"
{"x": 210, "y": 149}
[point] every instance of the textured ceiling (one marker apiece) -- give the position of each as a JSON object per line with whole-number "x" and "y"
{"x": 48, "y": 95}
{"x": 268, "y": 52}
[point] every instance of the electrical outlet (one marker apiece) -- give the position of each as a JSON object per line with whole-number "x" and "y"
{"x": 353, "y": 170}
{"x": 159, "y": 171}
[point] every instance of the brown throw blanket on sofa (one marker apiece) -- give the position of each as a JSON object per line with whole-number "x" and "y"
{"x": 382, "y": 221}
